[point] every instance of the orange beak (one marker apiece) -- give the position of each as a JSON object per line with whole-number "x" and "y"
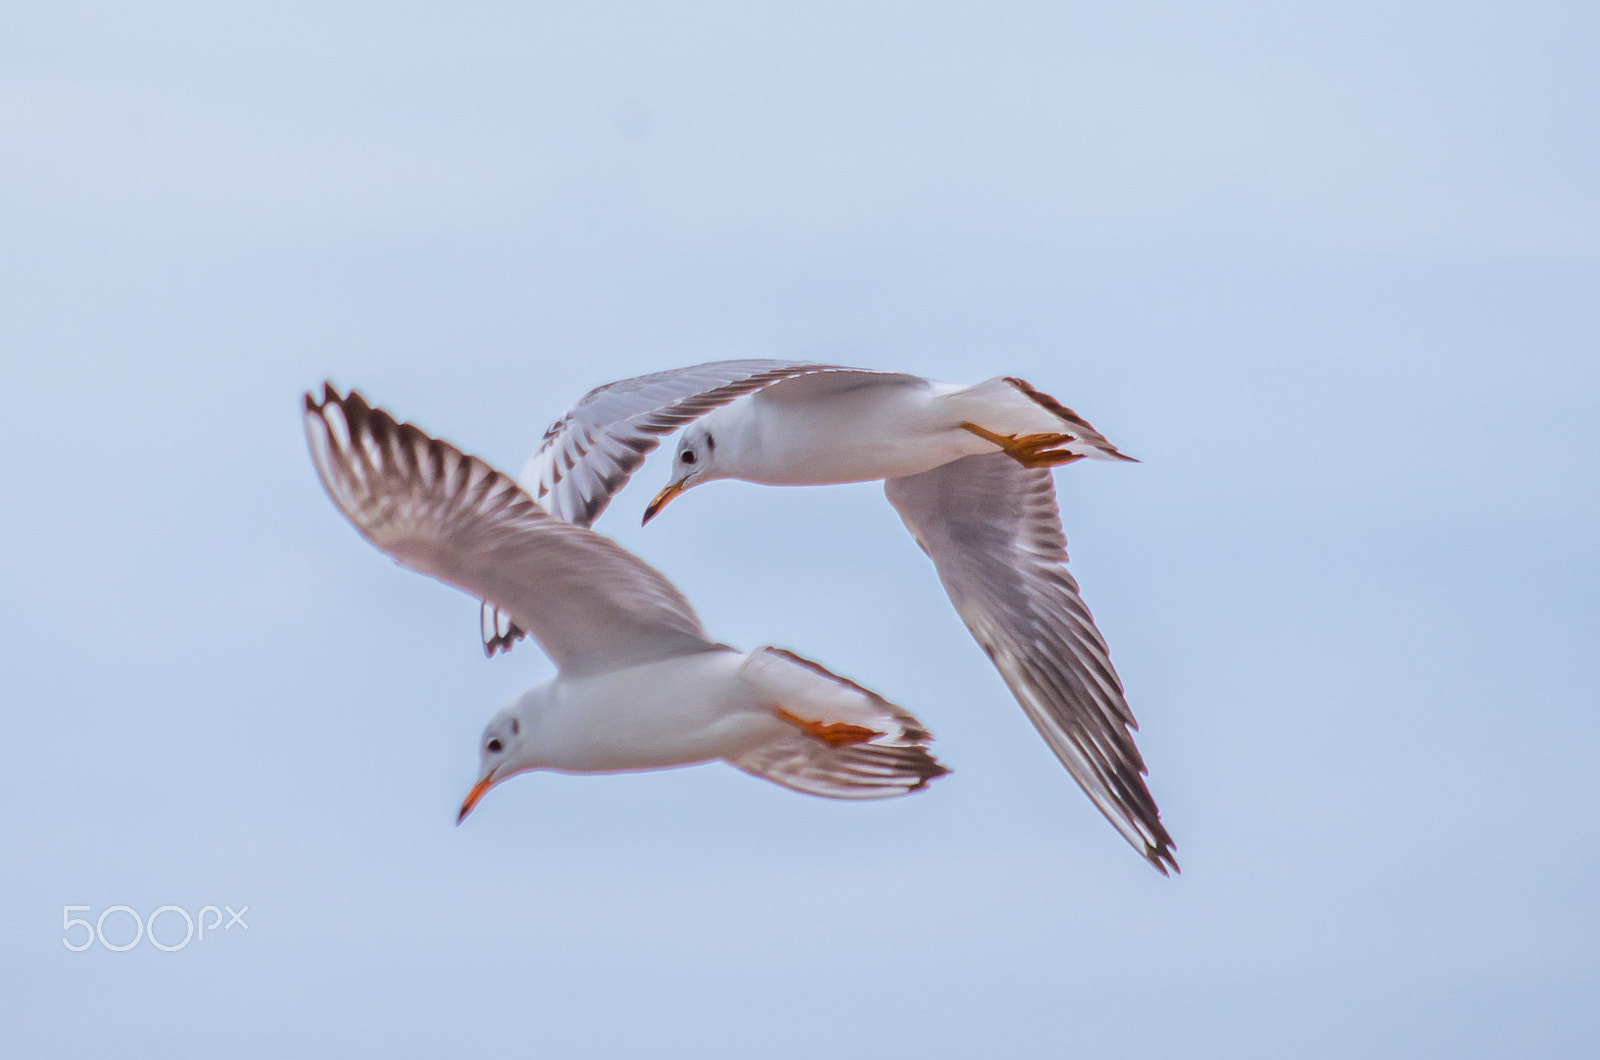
{"x": 473, "y": 796}
{"x": 661, "y": 499}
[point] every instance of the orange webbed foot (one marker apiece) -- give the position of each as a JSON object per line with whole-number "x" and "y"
{"x": 1029, "y": 450}
{"x": 833, "y": 733}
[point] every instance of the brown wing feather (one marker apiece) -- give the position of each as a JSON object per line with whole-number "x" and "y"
{"x": 589, "y": 602}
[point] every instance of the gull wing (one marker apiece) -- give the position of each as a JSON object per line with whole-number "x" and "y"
{"x": 594, "y": 448}
{"x": 590, "y": 603}
{"x": 992, "y": 530}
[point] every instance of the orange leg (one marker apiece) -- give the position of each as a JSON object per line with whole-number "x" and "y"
{"x": 834, "y": 734}
{"x": 1029, "y": 450}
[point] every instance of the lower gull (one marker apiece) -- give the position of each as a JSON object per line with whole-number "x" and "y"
{"x": 639, "y": 684}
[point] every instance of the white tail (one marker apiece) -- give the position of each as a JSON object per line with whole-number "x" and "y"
{"x": 1011, "y": 413}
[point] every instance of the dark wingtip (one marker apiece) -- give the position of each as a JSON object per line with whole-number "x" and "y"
{"x": 1161, "y": 859}
{"x": 931, "y": 769}
{"x": 330, "y": 396}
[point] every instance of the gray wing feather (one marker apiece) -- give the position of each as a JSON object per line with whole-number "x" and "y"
{"x": 590, "y": 603}
{"x": 993, "y": 532}
{"x": 864, "y": 771}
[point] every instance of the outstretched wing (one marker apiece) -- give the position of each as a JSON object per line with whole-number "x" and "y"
{"x": 992, "y": 530}
{"x": 594, "y": 448}
{"x": 591, "y": 451}
{"x": 589, "y": 602}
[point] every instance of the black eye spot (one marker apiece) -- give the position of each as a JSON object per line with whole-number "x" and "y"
{"x": 515, "y": 727}
{"x": 711, "y": 444}
{"x": 494, "y": 746}
{"x": 688, "y": 456}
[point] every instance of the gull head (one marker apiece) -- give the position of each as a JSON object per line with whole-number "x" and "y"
{"x": 694, "y": 462}
{"x": 505, "y": 750}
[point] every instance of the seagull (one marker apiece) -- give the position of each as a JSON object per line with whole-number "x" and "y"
{"x": 967, "y": 467}
{"x": 639, "y": 685}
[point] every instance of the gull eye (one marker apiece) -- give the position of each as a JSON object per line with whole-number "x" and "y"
{"x": 688, "y": 456}
{"x": 494, "y": 746}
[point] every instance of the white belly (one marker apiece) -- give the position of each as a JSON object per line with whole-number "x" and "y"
{"x": 871, "y": 432}
{"x": 689, "y": 709}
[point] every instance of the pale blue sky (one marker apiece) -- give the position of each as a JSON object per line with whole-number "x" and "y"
{"x": 1334, "y": 275}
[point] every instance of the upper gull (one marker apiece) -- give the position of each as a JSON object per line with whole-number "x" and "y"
{"x": 968, "y": 469}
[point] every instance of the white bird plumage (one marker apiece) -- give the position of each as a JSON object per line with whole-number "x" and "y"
{"x": 967, "y": 468}
{"x": 639, "y": 684}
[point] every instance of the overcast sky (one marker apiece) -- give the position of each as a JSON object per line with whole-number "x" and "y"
{"x": 1333, "y": 275}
